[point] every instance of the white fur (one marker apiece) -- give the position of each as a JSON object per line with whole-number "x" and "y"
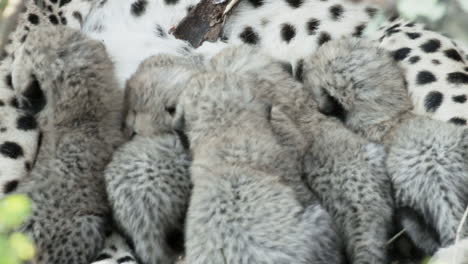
{"x": 14, "y": 169}
{"x": 279, "y": 12}
{"x": 129, "y": 39}
{"x": 448, "y": 109}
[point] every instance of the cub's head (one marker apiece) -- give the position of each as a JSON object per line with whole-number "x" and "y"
{"x": 152, "y": 93}
{"x": 220, "y": 103}
{"x": 356, "y": 81}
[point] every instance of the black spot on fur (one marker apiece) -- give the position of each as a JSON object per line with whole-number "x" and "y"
{"x": 371, "y": 11}
{"x": 64, "y": 2}
{"x": 63, "y": 20}
{"x": 413, "y": 35}
{"x": 11, "y": 150}
{"x": 9, "y": 81}
{"x": 27, "y": 166}
{"x": 102, "y": 3}
{"x": 392, "y": 30}
{"x": 34, "y": 19}
{"x": 36, "y": 99}
{"x": 125, "y": 260}
{"x": 459, "y": 98}
{"x": 139, "y": 7}
{"x": 458, "y": 121}
{"x": 411, "y": 24}
{"x": 453, "y": 54}
{"x": 393, "y": 18}
{"x": 53, "y": 19}
{"x": 466, "y": 69}
{"x": 2, "y": 103}
{"x": 436, "y": 62}
{"x": 77, "y": 15}
{"x": 171, "y": 2}
{"x": 256, "y": 3}
{"x": 312, "y": 26}
{"x": 295, "y": 3}
{"x": 324, "y": 37}
{"x": 431, "y": 46}
{"x": 249, "y": 36}
{"x": 299, "y": 70}
{"x": 288, "y": 32}
{"x": 425, "y": 77}
{"x": 401, "y": 54}
{"x": 23, "y": 38}
{"x": 457, "y": 78}
{"x": 336, "y": 11}
{"x": 359, "y": 30}
{"x": 10, "y": 186}
{"x": 26, "y": 122}
{"x": 396, "y": 26}
{"x": 160, "y": 31}
{"x": 414, "y": 59}
{"x": 103, "y": 256}
{"x": 433, "y": 101}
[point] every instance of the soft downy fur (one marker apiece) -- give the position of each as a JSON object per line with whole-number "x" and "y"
{"x": 80, "y": 124}
{"x": 148, "y": 181}
{"x": 426, "y": 158}
{"x": 291, "y": 103}
{"x": 274, "y": 84}
{"x": 152, "y": 92}
{"x": 240, "y": 212}
{"x": 148, "y": 184}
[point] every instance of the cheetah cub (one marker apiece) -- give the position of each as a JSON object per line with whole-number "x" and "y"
{"x": 347, "y": 172}
{"x": 240, "y": 211}
{"x": 148, "y": 184}
{"x": 427, "y": 159}
{"x": 300, "y": 136}
{"x": 148, "y": 180}
{"x": 273, "y": 83}
{"x": 152, "y": 93}
{"x": 80, "y": 125}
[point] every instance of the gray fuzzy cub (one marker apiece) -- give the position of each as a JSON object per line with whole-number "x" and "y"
{"x": 240, "y": 210}
{"x": 148, "y": 180}
{"x": 427, "y": 159}
{"x": 80, "y": 126}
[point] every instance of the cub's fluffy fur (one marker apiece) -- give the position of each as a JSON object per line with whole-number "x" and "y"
{"x": 149, "y": 186}
{"x": 80, "y": 124}
{"x": 240, "y": 211}
{"x": 427, "y": 159}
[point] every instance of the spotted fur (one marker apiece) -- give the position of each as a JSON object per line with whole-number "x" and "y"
{"x": 426, "y": 158}
{"x": 80, "y": 126}
{"x": 240, "y": 211}
{"x": 435, "y": 69}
